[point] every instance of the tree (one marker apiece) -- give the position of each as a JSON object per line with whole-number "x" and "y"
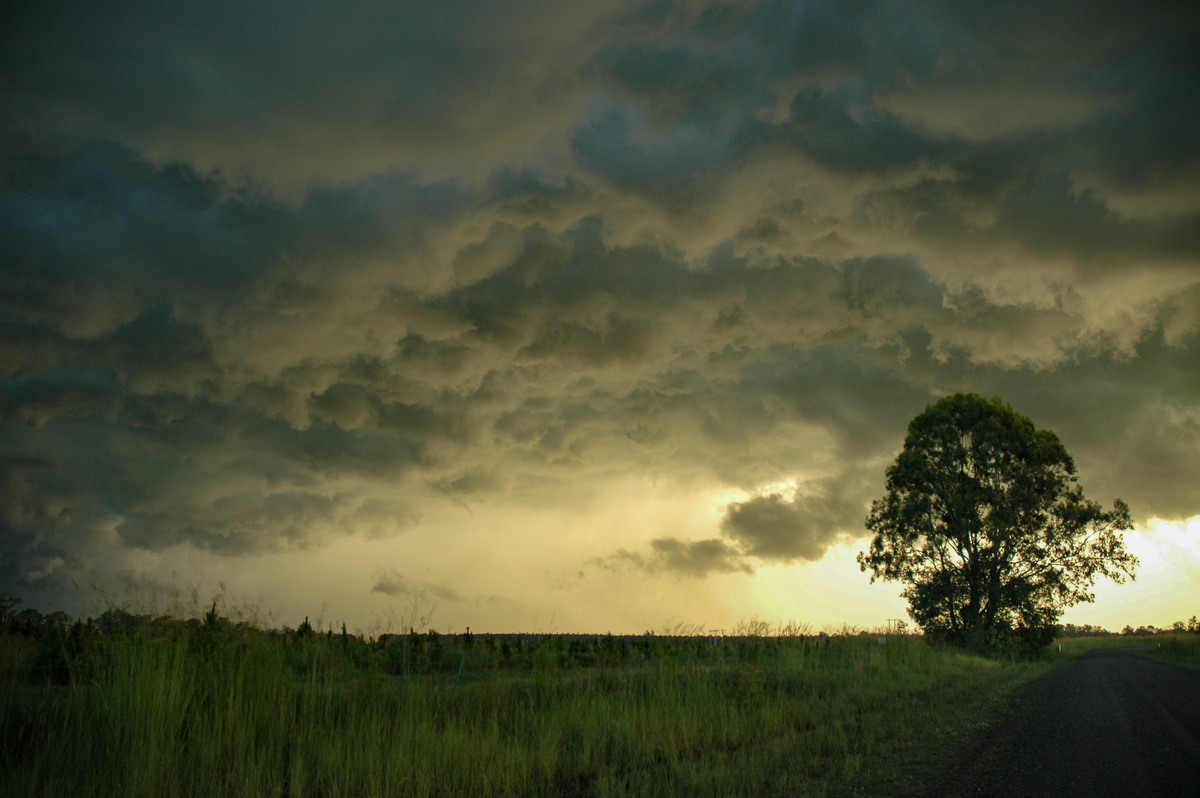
{"x": 984, "y": 523}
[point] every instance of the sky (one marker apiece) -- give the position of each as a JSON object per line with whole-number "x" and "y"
{"x": 577, "y": 317}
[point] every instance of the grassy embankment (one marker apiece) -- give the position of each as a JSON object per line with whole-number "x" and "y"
{"x": 218, "y": 711}
{"x": 1179, "y": 648}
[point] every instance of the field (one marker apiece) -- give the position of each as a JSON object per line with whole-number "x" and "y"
{"x": 216, "y": 709}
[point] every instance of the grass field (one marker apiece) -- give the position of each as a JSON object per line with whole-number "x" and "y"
{"x": 1179, "y": 648}
{"x": 216, "y": 710}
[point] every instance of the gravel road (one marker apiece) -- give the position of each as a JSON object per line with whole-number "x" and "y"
{"x": 1112, "y": 724}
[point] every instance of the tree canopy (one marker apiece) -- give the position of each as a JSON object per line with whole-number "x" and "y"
{"x": 984, "y": 523}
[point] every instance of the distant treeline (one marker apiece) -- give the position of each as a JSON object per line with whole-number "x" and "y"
{"x": 1089, "y": 630}
{"x": 431, "y": 651}
{"x": 64, "y": 645}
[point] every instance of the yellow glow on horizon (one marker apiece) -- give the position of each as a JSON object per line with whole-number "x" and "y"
{"x": 825, "y": 595}
{"x": 526, "y": 575}
{"x": 1167, "y": 587}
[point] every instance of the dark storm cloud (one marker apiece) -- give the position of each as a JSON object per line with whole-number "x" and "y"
{"x": 97, "y": 237}
{"x": 775, "y": 527}
{"x": 698, "y": 558}
{"x": 100, "y": 211}
{"x": 1129, "y": 422}
{"x": 619, "y": 143}
{"x": 693, "y": 102}
{"x": 772, "y": 527}
{"x": 296, "y": 89}
{"x": 184, "y": 473}
{"x": 392, "y": 583}
{"x": 515, "y": 253}
{"x": 843, "y": 90}
{"x": 1040, "y": 212}
{"x": 61, "y": 392}
{"x": 384, "y": 213}
{"x": 133, "y": 417}
{"x": 839, "y": 129}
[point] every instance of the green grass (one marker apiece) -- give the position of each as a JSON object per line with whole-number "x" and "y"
{"x": 1071, "y": 647}
{"x": 1179, "y": 648}
{"x": 226, "y": 713}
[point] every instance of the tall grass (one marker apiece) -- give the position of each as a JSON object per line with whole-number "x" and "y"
{"x": 219, "y": 713}
{"x": 1179, "y": 648}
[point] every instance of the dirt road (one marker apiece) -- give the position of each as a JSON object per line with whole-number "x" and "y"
{"x": 1112, "y": 724}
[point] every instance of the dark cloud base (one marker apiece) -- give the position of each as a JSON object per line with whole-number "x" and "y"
{"x": 731, "y": 246}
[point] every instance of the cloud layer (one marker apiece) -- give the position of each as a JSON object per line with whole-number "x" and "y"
{"x": 264, "y": 291}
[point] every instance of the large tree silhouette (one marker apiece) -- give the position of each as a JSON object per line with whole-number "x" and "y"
{"x": 985, "y": 524}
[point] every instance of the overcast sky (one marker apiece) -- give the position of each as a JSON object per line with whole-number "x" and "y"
{"x": 554, "y": 316}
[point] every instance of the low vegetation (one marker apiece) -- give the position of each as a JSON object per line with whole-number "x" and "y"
{"x": 1177, "y": 648}
{"x": 143, "y": 707}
